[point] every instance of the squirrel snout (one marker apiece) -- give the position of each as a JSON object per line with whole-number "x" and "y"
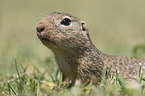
{"x": 40, "y": 28}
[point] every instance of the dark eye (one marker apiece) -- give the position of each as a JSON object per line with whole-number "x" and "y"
{"x": 66, "y": 22}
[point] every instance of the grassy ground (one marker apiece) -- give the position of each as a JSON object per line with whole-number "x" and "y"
{"x": 28, "y": 68}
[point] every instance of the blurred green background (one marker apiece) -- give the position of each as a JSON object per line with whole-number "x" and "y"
{"x": 115, "y": 26}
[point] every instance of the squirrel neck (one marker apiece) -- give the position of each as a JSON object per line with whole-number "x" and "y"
{"x": 75, "y": 59}
{"x": 88, "y": 49}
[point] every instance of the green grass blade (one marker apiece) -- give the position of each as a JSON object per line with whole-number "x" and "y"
{"x": 17, "y": 68}
{"x": 10, "y": 87}
{"x": 139, "y": 71}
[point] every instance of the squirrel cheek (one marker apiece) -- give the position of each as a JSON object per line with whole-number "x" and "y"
{"x": 84, "y": 33}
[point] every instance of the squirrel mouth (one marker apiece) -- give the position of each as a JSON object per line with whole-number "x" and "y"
{"x": 43, "y": 39}
{"x": 46, "y": 41}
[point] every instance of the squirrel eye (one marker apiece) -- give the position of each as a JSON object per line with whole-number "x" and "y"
{"x": 66, "y": 22}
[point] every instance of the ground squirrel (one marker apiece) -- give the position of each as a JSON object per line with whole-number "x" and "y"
{"x": 77, "y": 57}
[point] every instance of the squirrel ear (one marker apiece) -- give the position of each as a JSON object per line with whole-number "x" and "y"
{"x": 84, "y": 27}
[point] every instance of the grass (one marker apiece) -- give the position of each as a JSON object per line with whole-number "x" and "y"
{"x": 28, "y": 68}
{"x": 37, "y": 83}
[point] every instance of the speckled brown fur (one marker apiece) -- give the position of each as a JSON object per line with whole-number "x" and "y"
{"x": 75, "y": 53}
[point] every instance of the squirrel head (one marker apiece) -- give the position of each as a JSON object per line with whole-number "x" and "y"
{"x": 60, "y": 30}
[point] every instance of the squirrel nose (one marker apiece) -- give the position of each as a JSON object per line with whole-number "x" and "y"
{"x": 40, "y": 28}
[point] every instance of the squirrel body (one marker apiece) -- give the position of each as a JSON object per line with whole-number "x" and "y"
{"x": 77, "y": 57}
